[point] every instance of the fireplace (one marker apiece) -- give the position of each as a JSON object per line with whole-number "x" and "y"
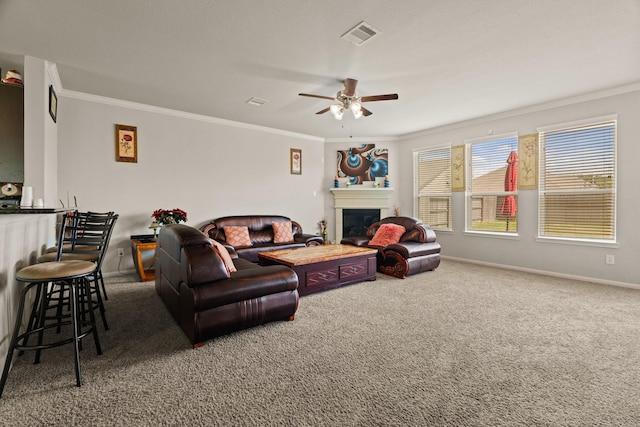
{"x": 356, "y": 222}
{"x": 359, "y": 198}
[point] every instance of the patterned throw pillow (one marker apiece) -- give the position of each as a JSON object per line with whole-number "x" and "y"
{"x": 224, "y": 254}
{"x": 387, "y": 234}
{"x": 237, "y": 236}
{"x": 282, "y": 232}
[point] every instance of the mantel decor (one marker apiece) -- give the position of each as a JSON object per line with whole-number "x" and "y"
{"x": 363, "y": 163}
{"x": 126, "y": 144}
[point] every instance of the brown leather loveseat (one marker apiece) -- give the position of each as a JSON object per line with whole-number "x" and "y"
{"x": 260, "y": 230}
{"x": 408, "y": 247}
{"x": 206, "y": 298}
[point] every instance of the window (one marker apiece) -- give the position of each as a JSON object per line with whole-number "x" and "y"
{"x": 577, "y": 181}
{"x": 432, "y": 172}
{"x": 492, "y": 202}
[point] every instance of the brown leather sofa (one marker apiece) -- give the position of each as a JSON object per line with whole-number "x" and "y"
{"x": 415, "y": 252}
{"x": 261, "y": 234}
{"x": 205, "y": 299}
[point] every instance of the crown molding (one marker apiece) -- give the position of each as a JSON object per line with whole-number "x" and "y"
{"x": 527, "y": 110}
{"x": 82, "y": 96}
{"x": 54, "y": 77}
{"x": 364, "y": 139}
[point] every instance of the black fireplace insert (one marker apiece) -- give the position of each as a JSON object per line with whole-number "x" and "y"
{"x": 355, "y": 222}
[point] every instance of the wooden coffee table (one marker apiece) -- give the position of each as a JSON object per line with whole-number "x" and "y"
{"x": 324, "y": 267}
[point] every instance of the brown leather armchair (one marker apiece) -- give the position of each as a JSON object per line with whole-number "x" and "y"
{"x": 206, "y": 299}
{"x": 415, "y": 252}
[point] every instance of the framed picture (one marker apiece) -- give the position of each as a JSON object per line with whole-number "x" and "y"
{"x": 457, "y": 168}
{"x": 296, "y": 161}
{"x": 53, "y": 104}
{"x": 528, "y": 164}
{"x": 126, "y": 144}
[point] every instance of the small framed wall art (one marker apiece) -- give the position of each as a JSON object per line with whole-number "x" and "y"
{"x": 296, "y": 161}
{"x": 53, "y": 104}
{"x": 126, "y": 144}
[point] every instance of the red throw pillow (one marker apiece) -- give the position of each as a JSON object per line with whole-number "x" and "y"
{"x": 237, "y": 236}
{"x": 387, "y": 234}
{"x": 282, "y": 232}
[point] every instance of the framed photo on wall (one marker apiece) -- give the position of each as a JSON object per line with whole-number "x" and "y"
{"x": 528, "y": 164}
{"x": 458, "y": 182}
{"x": 53, "y": 104}
{"x": 126, "y": 144}
{"x": 296, "y": 161}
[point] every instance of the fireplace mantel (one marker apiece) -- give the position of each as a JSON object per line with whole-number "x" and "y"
{"x": 359, "y": 198}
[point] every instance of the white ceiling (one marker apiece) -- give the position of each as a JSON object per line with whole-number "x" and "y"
{"x": 449, "y": 60}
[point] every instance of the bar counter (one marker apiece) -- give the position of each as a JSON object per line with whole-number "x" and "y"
{"x": 22, "y": 239}
{"x": 17, "y": 210}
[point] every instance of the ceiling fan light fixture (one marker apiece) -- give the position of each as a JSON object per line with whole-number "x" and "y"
{"x": 357, "y": 114}
{"x": 337, "y": 110}
{"x": 355, "y": 107}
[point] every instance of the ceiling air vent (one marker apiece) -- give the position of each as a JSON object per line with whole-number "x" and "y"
{"x": 258, "y": 102}
{"x": 361, "y": 33}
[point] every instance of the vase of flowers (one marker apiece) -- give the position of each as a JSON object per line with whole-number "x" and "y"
{"x": 169, "y": 216}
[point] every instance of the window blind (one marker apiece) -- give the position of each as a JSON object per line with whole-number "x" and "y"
{"x": 492, "y": 203}
{"x": 577, "y": 182}
{"x": 432, "y": 173}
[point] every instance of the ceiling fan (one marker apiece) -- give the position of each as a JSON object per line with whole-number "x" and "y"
{"x": 347, "y": 99}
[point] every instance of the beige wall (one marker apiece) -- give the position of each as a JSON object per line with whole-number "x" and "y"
{"x": 208, "y": 168}
{"x": 525, "y": 251}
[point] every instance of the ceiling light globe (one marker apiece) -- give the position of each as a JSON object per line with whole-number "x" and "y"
{"x": 337, "y": 110}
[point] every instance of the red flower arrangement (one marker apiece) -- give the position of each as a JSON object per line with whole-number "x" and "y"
{"x": 169, "y": 216}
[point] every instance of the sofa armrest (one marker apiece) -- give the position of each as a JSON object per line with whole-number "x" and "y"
{"x": 244, "y": 285}
{"x": 308, "y": 239}
{"x": 413, "y": 249}
{"x": 232, "y": 251}
{"x": 429, "y": 234}
{"x": 420, "y": 233}
{"x": 355, "y": 240}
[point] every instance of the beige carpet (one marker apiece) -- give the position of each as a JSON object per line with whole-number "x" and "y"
{"x": 465, "y": 345}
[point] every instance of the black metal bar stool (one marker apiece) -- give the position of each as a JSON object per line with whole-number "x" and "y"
{"x": 72, "y": 274}
{"x": 85, "y": 236}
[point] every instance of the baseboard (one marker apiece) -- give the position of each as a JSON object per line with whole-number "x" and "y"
{"x": 119, "y": 273}
{"x": 547, "y": 273}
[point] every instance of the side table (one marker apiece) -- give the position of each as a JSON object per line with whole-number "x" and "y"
{"x": 143, "y": 250}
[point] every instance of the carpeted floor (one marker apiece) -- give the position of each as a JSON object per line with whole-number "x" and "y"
{"x": 465, "y": 345}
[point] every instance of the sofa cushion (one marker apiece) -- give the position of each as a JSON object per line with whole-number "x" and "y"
{"x": 387, "y": 234}
{"x": 282, "y": 232}
{"x": 224, "y": 254}
{"x": 237, "y": 236}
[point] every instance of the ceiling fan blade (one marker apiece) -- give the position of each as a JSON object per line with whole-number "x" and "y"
{"x": 317, "y": 96}
{"x": 350, "y": 87}
{"x": 365, "y": 112}
{"x": 388, "y": 97}
{"x": 323, "y": 111}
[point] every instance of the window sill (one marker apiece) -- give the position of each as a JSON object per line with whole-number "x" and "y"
{"x": 508, "y": 236}
{"x": 576, "y": 242}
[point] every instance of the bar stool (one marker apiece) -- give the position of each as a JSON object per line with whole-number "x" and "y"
{"x": 72, "y": 274}
{"x": 69, "y": 247}
{"x": 85, "y": 236}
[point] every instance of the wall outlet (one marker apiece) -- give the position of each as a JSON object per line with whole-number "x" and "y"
{"x": 610, "y": 259}
{"x": 120, "y": 251}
